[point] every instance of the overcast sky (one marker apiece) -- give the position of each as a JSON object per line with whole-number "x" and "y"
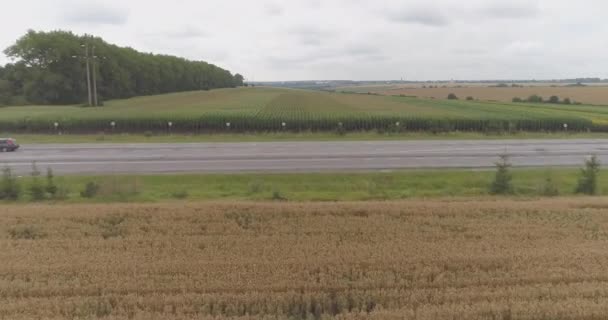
{"x": 344, "y": 39}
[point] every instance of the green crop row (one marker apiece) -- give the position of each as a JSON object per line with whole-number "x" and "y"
{"x": 212, "y": 123}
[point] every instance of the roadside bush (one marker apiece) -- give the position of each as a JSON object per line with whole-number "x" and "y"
{"x": 517, "y": 100}
{"x": 549, "y": 188}
{"x": 148, "y": 134}
{"x": 9, "y": 187}
{"x": 183, "y": 194}
{"x": 36, "y": 189}
{"x": 278, "y": 196}
{"x": 51, "y": 188}
{"x": 469, "y": 98}
{"x": 502, "y": 184}
{"x": 256, "y": 186}
{"x": 587, "y": 183}
{"x": 90, "y": 190}
{"x": 553, "y": 99}
{"x": 452, "y": 96}
{"x": 567, "y": 101}
{"x": 535, "y": 99}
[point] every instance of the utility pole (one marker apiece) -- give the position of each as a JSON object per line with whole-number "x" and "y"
{"x": 86, "y": 57}
{"x": 94, "y": 78}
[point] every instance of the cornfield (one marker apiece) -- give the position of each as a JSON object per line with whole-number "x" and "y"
{"x": 271, "y": 110}
{"x": 447, "y": 259}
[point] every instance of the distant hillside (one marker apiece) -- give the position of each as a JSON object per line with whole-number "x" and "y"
{"x": 50, "y": 68}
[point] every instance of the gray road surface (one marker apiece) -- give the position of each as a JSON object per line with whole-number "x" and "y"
{"x": 298, "y": 156}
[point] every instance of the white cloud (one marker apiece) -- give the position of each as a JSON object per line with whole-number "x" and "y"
{"x": 344, "y": 39}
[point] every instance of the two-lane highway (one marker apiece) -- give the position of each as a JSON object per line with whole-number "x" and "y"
{"x": 298, "y": 156}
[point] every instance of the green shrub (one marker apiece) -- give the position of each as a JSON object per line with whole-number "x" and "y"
{"x": 36, "y": 189}
{"x": 549, "y": 188}
{"x": 256, "y": 186}
{"x": 587, "y": 183}
{"x": 469, "y": 98}
{"x": 51, "y": 188}
{"x": 567, "y": 101}
{"x": 90, "y": 190}
{"x": 553, "y": 99}
{"x": 452, "y": 96}
{"x": 278, "y": 196}
{"x": 502, "y": 184}
{"x": 183, "y": 194}
{"x": 517, "y": 100}
{"x": 9, "y": 187}
{"x": 535, "y": 99}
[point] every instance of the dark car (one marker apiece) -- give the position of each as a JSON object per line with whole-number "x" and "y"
{"x": 8, "y": 144}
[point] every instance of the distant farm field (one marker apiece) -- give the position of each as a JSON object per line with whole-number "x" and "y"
{"x": 596, "y": 95}
{"x": 446, "y": 259}
{"x": 273, "y": 109}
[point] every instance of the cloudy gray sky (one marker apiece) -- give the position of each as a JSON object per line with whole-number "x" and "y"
{"x": 344, "y": 39}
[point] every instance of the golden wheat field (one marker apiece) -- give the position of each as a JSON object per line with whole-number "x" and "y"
{"x": 445, "y": 259}
{"x": 586, "y": 95}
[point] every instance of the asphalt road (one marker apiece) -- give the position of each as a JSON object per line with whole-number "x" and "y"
{"x": 298, "y": 156}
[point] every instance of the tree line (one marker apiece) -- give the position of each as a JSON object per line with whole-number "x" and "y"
{"x": 50, "y": 68}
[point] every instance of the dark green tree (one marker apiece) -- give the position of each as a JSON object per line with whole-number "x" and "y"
{"x": 502, "y": 184}
{"x": 587, "y": 182}
{"x": 50, "y": 69}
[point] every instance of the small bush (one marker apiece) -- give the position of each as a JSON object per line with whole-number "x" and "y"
{"x": 90, "y": 190}
{"x": 502, "y": 184}
{"x": 587, "y": 183}
{"x": 517, "y": 100}
{"x": 51, "y": 188}
{"x": 535, "y": 99}
{"x": 183, "y": 194}
{"x": 549, "y": 188}
{"x": 452, "y": 96}
{"x": 256, "y": 187}
{"x": 553, "y": 99}
{"x": 278, "y": 196}
{"x": 469, "y": 98}
{"x": 148, "y": 134}
{"x": 567, "y": 101}
{"x": 9, "y": 187}
{"x": 36, "y": 190}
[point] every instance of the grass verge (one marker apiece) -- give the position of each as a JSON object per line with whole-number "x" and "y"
{"x": 312, "y": 187}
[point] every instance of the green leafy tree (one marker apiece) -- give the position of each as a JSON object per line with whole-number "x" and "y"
{"x": 238, "y": 80}
{"x": 587, "y": 182}
{"x": 50, "y": 69}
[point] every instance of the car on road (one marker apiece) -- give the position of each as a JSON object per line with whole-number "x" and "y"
{"x": 8, "y": 144}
